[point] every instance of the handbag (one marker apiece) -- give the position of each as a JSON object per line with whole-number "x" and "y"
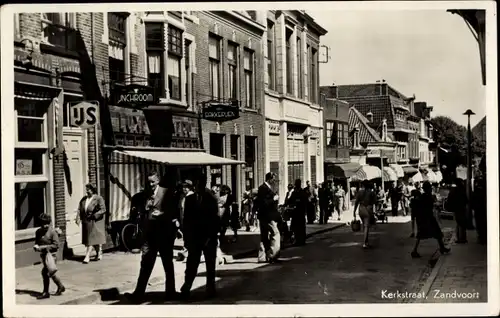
{"x": 50, "y": 264}
{"x": 356, "y": 225}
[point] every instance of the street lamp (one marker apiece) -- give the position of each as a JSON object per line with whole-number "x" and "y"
{"x": 469, "y": 169}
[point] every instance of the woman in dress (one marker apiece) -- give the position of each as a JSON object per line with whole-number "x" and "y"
{"x": 427, "y": 225}
{"x": 366, "y": 200}
{"x": 91, "y": 213}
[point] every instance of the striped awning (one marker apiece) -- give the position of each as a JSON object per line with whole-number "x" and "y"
{"x": 181, "y": 158}
{"x": 344, "y": 170}
{"x": 397, "y": 168}
{"x": 417, "y": 177}
{"x": 367, "y": 172}
{"x": 389, "y": 174}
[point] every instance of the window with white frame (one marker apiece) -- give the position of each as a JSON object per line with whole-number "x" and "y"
{"x": 300, "y": 73}
{"x": 116, "y": 45}
{"x": 232, "y": 63}
{"x": 249, "y": 78}
{"x": 214, "y": 65}
{"x": 175, "y": 45}
{"x": 58, "y": 29}
{"x": 189, "y": 82}
{"x": 31, "y": 161}
{"x": 331, "y": 134}
{"x": 154, "y": 49}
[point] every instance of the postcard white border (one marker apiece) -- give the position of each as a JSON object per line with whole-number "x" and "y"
{"x": 364, "y": 310}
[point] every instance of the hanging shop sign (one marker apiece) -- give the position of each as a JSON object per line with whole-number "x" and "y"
{"x": 220, "y": 112}
{"x": 133, "y": 95}
{"x": 84, "y": 114}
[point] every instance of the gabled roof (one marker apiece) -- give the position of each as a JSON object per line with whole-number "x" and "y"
{"x": 379, "y": 106}
{"x": 366, "y": 133}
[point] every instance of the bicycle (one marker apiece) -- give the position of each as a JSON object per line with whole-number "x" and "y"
{"x": 131, "y": 236}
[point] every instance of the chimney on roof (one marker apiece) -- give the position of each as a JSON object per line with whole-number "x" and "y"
{"x": 369, "y": 115}
{"x": 384, "y": 129}
{"x": 356, "y": 140}
{"x": 382, "y": 87}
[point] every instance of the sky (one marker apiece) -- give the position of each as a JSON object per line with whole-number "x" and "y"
{"x": 429, "y": 53}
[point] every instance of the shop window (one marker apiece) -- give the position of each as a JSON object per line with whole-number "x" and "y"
{"x": 250, "y": 160}
{"x": 271, "y": 56}
{"x": 116, "y": 45}
{"x": 249, "y": 79}
{"x": 30, "y": 203}
{"x": 154, "y": 50}
{"x": 214, "y": 65}
{"x": 31, "y": 161}
{"x": 232, "y": 63}
{"x": 275, "y": 168}
{"x": 296, "y": 171}
{"x": 174, "y": 62}
{"x": 289, "y": 61}
{"x": 58, "y": 29}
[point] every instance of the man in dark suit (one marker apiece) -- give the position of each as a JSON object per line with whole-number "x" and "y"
{"x": 201, "y": 224}
{"x": 160, "y": 224}
{"x": 269, "y": 216}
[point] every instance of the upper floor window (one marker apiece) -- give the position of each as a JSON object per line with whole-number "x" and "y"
{"x": 232, "y": 61}
{"x": 154, "y": 50}
{"x": 175, "y": 45}
{"x": 300, "y": 73}
{"x": 313, "y": 78}
{"x": 249, "y": 79}
{"x": 214, "y": 65}
{"x": 189, "y": 78}
{"x": 289, "y": 61}
{"x": 116, "y": 46}
{"x": 271, "y": 60}
{"x": 58, "y": 29}
{"x": 337, "y": 134}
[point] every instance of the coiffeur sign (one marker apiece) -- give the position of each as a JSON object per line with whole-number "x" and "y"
{"x": 220, "y": 112}
{"x": 133, "y": 95}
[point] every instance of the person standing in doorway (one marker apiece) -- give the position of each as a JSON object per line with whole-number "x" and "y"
{"x": 311, "y": 203}
{"x": 201, "y": 227}
{"x": 92, "y": 215}
{"x": 269, "y": 216}
{"x": 298, "y": 203}
{"x": 160, "y": 227}
{"x": 325, "y": 199}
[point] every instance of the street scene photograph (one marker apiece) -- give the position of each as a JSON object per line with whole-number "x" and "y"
{"x": 227, "y": 156}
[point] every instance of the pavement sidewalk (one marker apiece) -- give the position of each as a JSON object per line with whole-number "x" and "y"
{"x": 117, "y": 272}
{"x": 461, "y": 276}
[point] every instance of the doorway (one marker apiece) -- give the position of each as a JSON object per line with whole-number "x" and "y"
{"x": 75, "y": 176}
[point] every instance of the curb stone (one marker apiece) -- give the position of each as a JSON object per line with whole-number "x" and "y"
{"x": 89, "y": 298}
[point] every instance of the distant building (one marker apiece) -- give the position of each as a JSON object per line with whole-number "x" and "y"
{"x": 427, "y": 147}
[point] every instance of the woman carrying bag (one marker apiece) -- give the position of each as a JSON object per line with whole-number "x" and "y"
{"x": 47, "y": 243}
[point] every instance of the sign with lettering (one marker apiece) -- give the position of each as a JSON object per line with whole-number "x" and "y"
{"x": 24, "y": 167}
{"x": 133, "y": 96}
{"x": 220, "y": 112}
{"x": 84, "y": 114}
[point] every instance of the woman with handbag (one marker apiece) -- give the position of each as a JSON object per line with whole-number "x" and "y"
{"x": 91, "y": 214}
{"x": 365, "y": 200}
{"x": 47, "y": 243}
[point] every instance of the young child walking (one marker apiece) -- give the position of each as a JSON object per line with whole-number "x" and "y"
{"x": 47, "y": 241}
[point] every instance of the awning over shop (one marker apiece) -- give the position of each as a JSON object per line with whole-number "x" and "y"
{"x": 409, "y": 170}
{"x": 417, "y": 177}
{"x": 389, "y": 174}
{"x": 397, "y": 168}
{"x": 367, "y": 172}
{"x": 345, "y": 170}
{"x": 181, "y": 158}
{"x": 430, "y": 176}
{"x": 439, "y": 176}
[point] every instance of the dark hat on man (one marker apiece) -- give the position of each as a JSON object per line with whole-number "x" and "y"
{"x": 188, "y": 184}
{"x": 45, "y": 218}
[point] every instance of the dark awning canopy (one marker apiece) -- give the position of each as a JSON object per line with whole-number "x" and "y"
{"x": 345, "y": 170}
{"x": 410, "y": 170}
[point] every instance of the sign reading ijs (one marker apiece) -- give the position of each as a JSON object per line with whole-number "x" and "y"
{"x": 84, "y": 114}
{"x": 133, "y": 95}
{"x": 220, "y": 112}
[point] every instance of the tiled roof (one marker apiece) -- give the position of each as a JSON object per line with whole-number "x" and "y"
{"x": 358, "y": 90}
{"x": 379, "y": 106}
{"x": 366, "y": 133}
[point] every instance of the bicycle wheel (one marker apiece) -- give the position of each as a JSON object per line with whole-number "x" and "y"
{"x": 131, "y": 238}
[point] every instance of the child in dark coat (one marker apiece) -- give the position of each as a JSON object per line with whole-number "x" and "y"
{"x": 47, "y": 241}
